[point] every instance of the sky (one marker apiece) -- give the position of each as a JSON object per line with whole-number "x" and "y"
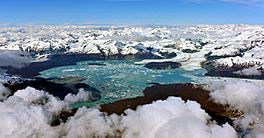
{"x": 132, "y": 11}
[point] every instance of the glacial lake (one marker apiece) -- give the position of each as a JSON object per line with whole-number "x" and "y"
{"x": 120, "y": 79}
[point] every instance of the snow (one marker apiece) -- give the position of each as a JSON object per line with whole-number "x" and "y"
{"x": 30, "y": 112}
{"x": 219, "y": 40}
{"x": 239, "y": 61}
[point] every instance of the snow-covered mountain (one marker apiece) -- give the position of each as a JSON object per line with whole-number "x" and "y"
{"x": 224, "y": 46}
{"x": 220, "y": 49}
{"x": 39, "y": 40}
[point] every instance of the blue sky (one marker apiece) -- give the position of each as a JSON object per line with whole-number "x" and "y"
{"x": 132, "y": 11}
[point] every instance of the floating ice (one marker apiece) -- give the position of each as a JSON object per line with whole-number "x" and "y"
{"x": 121, "y": 79}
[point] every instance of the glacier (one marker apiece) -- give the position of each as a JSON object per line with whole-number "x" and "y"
{"x": 226, "y": 60}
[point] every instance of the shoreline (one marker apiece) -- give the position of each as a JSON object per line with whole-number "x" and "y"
{"x": 186, "y": 91}
{"x": 32, "y": 70}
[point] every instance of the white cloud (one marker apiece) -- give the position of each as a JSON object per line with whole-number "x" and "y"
{"x": 247, "y": 97}
{"x": 82, "y": 95}
{"x": 29, "y": 113}
{"x": 14, "y": 58}
{"x": 4, "y": 92}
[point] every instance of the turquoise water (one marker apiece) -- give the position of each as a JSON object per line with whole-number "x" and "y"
{"x": 118, "y": 79}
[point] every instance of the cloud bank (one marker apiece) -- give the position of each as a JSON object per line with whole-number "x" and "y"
{"x": 247, "y": 97}
{"x": 30, "y": 113}
{"x": 14, "y": 58}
